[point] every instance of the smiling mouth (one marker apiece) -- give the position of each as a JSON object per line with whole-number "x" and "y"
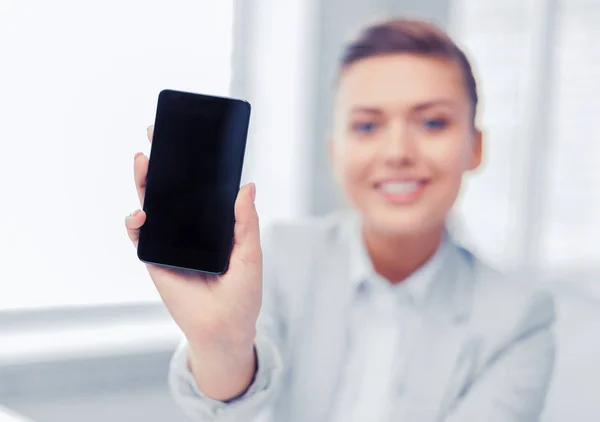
{"x": 401, "y": 191}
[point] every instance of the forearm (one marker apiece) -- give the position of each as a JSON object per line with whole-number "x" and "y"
{"x": 243, "y": 407}
{"x": 223, "y": 374}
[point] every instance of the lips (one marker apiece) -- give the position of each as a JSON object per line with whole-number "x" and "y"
{"x": 404, "y": 187}
{"x": 401, "y": 191}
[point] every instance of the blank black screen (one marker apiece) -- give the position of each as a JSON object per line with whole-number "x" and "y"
{"x": 193, "y": 178}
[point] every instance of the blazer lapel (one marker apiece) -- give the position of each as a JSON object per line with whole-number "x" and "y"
{"x": 438, "y": 345}
{"x": 323, "y": 349}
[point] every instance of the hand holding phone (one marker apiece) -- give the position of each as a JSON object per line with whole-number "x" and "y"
{"x": 217, "y": 313}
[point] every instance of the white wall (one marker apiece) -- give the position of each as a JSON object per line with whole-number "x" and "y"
{"x": 78, "y": 88}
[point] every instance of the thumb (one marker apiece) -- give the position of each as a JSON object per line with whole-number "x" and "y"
{"x": 246, "y": 244}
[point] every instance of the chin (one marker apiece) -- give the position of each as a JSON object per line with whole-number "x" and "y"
{"x": 400, "y": 223}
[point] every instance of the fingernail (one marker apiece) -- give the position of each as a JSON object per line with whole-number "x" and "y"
{"x": 134, "y": 213}
{"x": 137, "y": 155}
{"x": 148, "y": 128}
{"x": 253, "y": 188}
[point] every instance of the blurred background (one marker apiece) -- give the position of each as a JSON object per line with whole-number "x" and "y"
{"x": 83, "y": 335}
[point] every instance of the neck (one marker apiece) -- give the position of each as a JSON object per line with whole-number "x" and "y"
{"x": 397, "y": 257}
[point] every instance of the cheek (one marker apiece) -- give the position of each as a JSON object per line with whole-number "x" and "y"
{"x": 450, "y": 160}
{"x": 353, "y": 169}
{"x": 448, "y": 164}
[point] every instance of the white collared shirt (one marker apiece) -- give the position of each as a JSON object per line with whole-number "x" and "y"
{"x": 383, "y": 319}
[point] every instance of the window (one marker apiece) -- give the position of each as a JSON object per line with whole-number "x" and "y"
{"x": 538, "y": 82}
{"x": 79, "y": 86}
{"x": 571, "y": 219}
{"x": 497, "y": 38}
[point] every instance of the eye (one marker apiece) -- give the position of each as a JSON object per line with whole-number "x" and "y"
{"x": 435, "y": 124}
{"x": 365, "y": 127}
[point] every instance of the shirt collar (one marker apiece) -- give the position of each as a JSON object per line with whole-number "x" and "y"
{"x": 363, "y": 275}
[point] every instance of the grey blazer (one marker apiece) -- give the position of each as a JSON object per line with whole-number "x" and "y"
{"x": 485, "y": 351}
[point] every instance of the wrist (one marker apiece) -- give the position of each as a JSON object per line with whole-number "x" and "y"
{"x": 227, "y": 345}
{"x": 221, "y": 354}
{"x": 223, "y": 376}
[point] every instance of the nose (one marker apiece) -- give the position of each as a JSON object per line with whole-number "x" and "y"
{"x": 399, "y": 147}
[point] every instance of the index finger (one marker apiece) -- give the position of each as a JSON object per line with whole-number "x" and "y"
{"x": 150, "y": 132}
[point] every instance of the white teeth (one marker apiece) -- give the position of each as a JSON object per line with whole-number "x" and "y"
{"x": 400, "y": 187}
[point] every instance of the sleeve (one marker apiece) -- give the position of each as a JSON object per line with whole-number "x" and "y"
{"x": 514, "y": 384}
{"x": 269, "y": 348}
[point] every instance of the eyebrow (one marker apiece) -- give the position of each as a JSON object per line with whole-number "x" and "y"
{"x": 366, "y": 110}
{"x": 417, "y": 107}
{"x": 429, "y": 104}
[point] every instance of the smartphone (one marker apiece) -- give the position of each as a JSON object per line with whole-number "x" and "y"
{"x": 194, "y": 174}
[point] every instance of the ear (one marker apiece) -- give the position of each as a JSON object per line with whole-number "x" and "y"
{"x": 477, "y": 150}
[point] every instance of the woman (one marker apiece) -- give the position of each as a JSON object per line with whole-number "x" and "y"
{"x": 374, "y": 315}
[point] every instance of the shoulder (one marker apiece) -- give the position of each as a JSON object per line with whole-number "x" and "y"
{"x": 511, "y": 296}
{"x": 293, "y": 256}
{"x": 304, "y": 235}
{"x": 293, "y": 252}
{"x": 508, "y": 306}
